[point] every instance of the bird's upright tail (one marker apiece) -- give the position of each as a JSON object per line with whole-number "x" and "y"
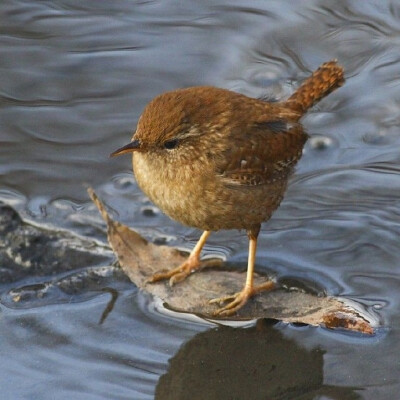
{"x": 327, "y": 78}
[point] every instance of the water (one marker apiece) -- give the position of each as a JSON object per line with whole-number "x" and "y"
{"x": 74, "y": 78}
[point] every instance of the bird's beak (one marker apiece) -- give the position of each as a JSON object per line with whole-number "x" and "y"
{"x": 128, "y": 148}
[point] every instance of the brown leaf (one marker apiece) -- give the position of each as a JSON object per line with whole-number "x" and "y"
{"x": 140, "y": 259}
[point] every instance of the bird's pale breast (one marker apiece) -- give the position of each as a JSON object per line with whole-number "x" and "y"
{"x": 204, "y": 200}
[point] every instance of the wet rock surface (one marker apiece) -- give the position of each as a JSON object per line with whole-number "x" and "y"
{"x": 27, "y": 250}
{"x": 40, "y": 266}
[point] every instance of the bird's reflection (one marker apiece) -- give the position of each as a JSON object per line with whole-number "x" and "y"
{"x": 255, "y": 363}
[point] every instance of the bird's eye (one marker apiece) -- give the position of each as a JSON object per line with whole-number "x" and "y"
{"x": 171, "y": 144}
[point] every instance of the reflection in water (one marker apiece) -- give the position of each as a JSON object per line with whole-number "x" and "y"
{"x": 110, "y": 304}
{"x": 257, "y": 363}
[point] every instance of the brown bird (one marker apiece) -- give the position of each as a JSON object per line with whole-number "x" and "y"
{"x": 215, "y": 159}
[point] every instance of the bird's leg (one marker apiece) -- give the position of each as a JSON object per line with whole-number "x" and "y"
{"x": 238, "y": 300}
{"x": 192, "y": 264}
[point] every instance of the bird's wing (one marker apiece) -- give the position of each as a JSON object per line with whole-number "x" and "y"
{"x": 262, "y": 153}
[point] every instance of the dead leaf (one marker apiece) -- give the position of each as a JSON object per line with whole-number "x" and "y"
{"x": 140, "y": 259}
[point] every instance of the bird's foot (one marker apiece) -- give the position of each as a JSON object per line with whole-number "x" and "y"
{"x": 238, "y": 300}
{"x": 180, "y": 273}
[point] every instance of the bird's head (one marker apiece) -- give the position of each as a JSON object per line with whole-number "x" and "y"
{"x": 170, "y": 126}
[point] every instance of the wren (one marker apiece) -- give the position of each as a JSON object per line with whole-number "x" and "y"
{"x": 214, "y": 159}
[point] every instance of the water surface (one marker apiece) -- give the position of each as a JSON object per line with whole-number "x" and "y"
{"x": 74, "y": 78}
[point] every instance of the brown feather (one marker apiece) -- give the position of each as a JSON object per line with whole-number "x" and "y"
{"x": 262, "y": 156}
{"x": 328, "y": 77}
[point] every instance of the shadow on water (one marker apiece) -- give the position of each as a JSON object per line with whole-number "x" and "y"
{"x": 257, "y": 363}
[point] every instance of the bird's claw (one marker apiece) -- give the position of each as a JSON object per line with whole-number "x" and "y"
{"x": 181, "y": 272}
{"x": 238, "y": 300}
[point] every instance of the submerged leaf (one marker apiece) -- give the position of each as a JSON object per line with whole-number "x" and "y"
{"x": 140, "y": 259}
